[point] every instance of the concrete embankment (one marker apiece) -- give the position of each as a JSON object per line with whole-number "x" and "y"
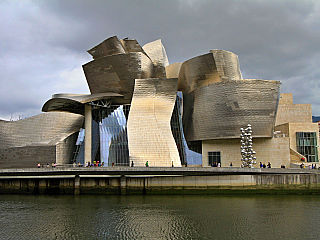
{"x": 126, "y": 180}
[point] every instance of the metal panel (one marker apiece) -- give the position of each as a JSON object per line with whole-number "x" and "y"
{"x": 197, "y": 72}
{"x": 149, "y": 132}
{"x": 209, "y": 68}
{"x": 116, "y": 73}
{"x": 109, "y": 46}
{"x": 172, "y": 70}
{"x": 227, "y": 64}
{"x": 74, "y": 103}
{"x": 219, "y": 110}
{"x": 39, "y": 133}
{"x": 158, "y": 55}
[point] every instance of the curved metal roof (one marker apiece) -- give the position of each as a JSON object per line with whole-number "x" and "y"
{"x": 74, "y": 103}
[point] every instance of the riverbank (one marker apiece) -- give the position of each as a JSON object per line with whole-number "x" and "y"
{"x": 126, "y": 180}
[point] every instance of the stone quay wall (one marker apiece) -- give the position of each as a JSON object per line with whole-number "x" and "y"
{"x": 127, "y": 180}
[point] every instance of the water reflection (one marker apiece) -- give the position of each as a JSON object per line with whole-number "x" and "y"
{"x": 159, "y": 217}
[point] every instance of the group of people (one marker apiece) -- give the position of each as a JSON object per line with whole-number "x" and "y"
{"x": 263, "y": 165}
{"x": 215, "y": 164}
{"x": 53, "y": 165}
{"x": 313, "y": 166}
{"x": 94, "y": 164}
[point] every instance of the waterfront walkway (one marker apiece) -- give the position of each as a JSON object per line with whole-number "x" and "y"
{"x": 147, "y": 171}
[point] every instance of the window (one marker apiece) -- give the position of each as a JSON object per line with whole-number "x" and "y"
{"x": 214, "y": 157}
{"x": 307, "y": 145}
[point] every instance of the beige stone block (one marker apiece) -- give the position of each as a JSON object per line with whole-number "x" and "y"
{"x": 224, "y": 180}
{"x": 189, "y": 181}
{"x": 178, "y": 182}
{"x": 212, "y": 181}
{"x": 167, "y": 182}
{"x": 155, "y": 182}
{"x": 236, "y": 180}
{"x": 136, "y": 181}
{"x": 200, "y": 181}
{"x": 248, "y": 180}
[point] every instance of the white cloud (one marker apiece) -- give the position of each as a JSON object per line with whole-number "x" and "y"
{"x": 44, "y": 43}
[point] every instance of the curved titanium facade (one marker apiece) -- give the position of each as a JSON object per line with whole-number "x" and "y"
{"x": 116, "y": 73}
{"x": 113, "y": 46}
{"x": 45, "y": 138}
{"x": 117, "y": 63}
{"x": 227, "y": 64}
{"x": 155, "y": 50}
{"x": 219, "y": 110}
{"x": 209, "y": 68}
{"x": 109, "y": 46}
{"x": 172, "y": 70}
{"x": 149, "y": 132}
{"x": 74, "y": 103}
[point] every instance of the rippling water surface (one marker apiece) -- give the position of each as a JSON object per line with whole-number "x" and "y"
{"x": 159, "y": 217}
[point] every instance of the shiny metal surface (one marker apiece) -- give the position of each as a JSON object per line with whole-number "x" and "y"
{"x": 219, "y": 110}
{"x": 44, "y": 138}
{"x": 173, "y": 70}
{"x": 197, "y": 72}
{"x": 74, "y": 103}
{"x": 117, "y": 63}
{"x": 209, "y": 68}
{"x": 149, "y": 132}
{"x": 227, "y": 64}
{"x": 131, "y": 45}
{"x": 156, "y": 51}
{"x": 116, "y": 73}
{"x": 109, "y": 46}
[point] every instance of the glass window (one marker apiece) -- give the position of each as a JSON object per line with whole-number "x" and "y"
{"x": 214, "y": 158}
{"x": 109, "y": 136}
{"x": 307, "y": 145}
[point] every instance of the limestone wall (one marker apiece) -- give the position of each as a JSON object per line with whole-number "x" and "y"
{"x": 292, "y": 113}
{"x": 301, "y": 127}
{"x": 273, "y": 150}
{"x": 27, "y": 156}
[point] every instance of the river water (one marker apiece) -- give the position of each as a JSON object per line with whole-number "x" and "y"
{"x": 159, "y": 217}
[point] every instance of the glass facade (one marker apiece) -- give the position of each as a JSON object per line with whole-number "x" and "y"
{"x": 110, "y": 141}
{"x": 78, "y": 153}
{"x": 113, "y": 134}
{"x": 109, "y": 137}
{"x": 307, "y": 145}
{"x": 187, "y": 156}
{"x": 176, "y": 128}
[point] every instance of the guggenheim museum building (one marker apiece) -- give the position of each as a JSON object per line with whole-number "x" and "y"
{"x": 142, "y": 109}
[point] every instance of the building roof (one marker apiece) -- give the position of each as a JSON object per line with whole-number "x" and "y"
{"x": 74, "y": 103}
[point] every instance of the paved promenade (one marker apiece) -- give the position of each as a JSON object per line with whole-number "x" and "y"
{"x": 149, "y": 171}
